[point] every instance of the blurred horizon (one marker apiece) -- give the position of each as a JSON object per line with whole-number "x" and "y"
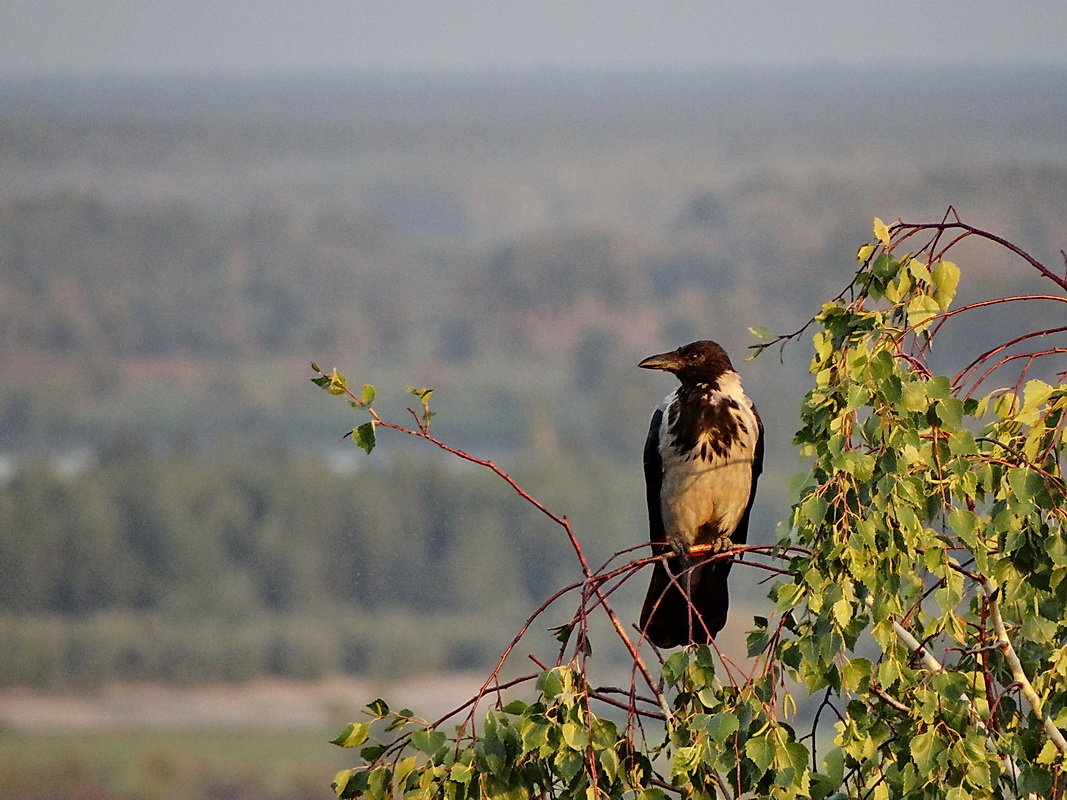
{"x": 120, "y": 37}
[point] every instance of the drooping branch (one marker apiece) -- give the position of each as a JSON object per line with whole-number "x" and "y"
{"x": 903, "y": 230}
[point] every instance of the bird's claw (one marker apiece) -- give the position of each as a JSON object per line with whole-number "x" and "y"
{"x": 680, "y": 547}
{"x": 719, "y": 545}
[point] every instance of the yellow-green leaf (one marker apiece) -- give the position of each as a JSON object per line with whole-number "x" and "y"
{"x": 946, "y": 279}
{"x": 354, "y": 734}
{"x": 881, "y": 231}
{"x": 919, "y": 270}
{"x": 921, "y": 310}
{"x": 461, "y": 773}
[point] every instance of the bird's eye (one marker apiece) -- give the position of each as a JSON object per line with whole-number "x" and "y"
{"x": 693, "y": 356}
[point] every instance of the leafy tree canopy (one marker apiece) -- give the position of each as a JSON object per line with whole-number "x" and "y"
{"x": 915, "y": 645}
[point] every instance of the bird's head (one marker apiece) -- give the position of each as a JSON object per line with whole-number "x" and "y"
{"x": 698, "y": 362}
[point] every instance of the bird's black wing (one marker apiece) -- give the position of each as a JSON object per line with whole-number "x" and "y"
{"x": 654, "y": 481}
{"x": 665, "y": 619}
{"x": 740, "y": 535}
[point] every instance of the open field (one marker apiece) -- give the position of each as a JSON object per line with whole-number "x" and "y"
{"x": 265, "y": 739}
{"x": 186, "y": 764}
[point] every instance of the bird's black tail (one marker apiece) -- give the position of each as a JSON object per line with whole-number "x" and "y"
{"x": 691, "y": 608}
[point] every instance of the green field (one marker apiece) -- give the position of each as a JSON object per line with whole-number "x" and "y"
{"x": 185, "y": 764}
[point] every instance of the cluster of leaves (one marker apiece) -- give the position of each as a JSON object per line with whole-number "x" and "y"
{"x": 364, "y": 435}
{"x": 923, "y": 597}
{"x": 719, "y": 739}
{"x": 555, "y": 745}
{"x": 934, "y": 538}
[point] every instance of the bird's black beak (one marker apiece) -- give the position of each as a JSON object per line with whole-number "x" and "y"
{"x": 665, "y": 361}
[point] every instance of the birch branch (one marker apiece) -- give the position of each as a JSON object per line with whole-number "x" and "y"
{"x": 1018, "y": 673}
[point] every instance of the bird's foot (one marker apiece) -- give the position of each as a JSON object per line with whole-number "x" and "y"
{"x": 681, "y": 549}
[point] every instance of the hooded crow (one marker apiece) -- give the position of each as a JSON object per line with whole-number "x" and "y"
{"x": 703, "y": 456}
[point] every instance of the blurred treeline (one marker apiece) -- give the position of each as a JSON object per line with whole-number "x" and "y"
{"x": 240, "y": 561}
{"x": 172, "y": 255}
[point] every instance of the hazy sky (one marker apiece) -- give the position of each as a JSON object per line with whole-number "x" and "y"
{"x": 167, "y": 36}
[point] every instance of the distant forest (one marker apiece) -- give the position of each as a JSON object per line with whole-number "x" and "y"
{"x": 192, "y": 566}
{"x": 172, "y": 256}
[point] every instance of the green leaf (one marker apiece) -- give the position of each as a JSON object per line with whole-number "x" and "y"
{"x": 379, "y": 708}
{"x": 515, "y": 708}
{"x": 568, "y": 763}
{"x": 1025, "y": 483}
{"x": 336, "y": 382}
{"x": 885, "y": 266}
{"x": 950, "y": 412}
{"x": 1049, "y": 753}
{"x": 797, "y": 755}
{"x": 898, "y": 287}
{"x": 604, "y": 734}
{"x": 965, "y": 525}
{"x": 924, "y": 750}
{"x": 428, "y": 741}
{"x": 722, "y": 726}
{"x": 492, "y": 750}
{"x": 354, "y": 734}
{"x": 1035, "y": 393}
{"x": 919, "y": 271}
{"x": 350, "y": 782}
{"x": 674, "y": 667}
{"x": 686, "y": 759}
{"x": 756, "y": 640}
{"x": 915, "y": 396}
{"x": 1035, "y": 781}
{"x": 835, "y": 766}
{"x": 368, "y": 395}
{"x": 761, "y": 333}
{"x": 813, "y": 510}
{"x": 760, "y": 751}
{"x": 534, "y": 734}
{"x": 550, "y": 683}
{"x": 363, "y": 436}
{"x": 372, "y": 752}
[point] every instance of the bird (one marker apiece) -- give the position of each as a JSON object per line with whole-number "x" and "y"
{"x": 702, "y": 460}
